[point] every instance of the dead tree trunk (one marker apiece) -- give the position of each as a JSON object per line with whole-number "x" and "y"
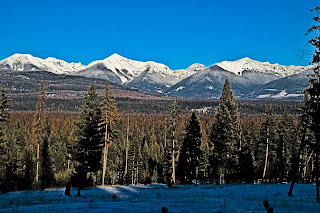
{"x": 173, "y": 162}
{"x": 266, "y": 160}
{"x": 37, "y": 172}
{"x": 127, "y": 147}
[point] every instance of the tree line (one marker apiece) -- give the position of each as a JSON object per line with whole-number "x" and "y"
{"x": 100, "y": 146}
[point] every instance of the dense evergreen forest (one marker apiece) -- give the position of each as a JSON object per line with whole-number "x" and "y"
{"x": 99, "y": 145}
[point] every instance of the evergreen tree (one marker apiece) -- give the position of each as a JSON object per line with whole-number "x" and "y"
{"x": 312, "y": 95}
{"x": 39, "y": 128}
{"x": 135, "y": 167}
{"x": 190, "y": 152}
{"x": 303, "y": 141}
{"x": 4, "y": 116}
{"x": 109, "y": 117}
{"x": 204, "y": 163}
{"x": 47, "y": 175}
{"x": 246, "y": 173}
{"x": 173, "y": 115}
{"x": 225, "y": 136}
{"x": 287, "y": 140}
{"x": 4, "y": 105}
{"x": 267, "y": 145}
{"x": 27, "y": 169}
{"x": 250, "y": 139}
{"x": 89, "y": 140}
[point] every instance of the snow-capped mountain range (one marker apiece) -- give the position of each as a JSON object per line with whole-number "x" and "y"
{"x": 248, "y": 77}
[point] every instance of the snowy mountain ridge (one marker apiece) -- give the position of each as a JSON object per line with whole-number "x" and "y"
{"x": 247, "y": 64}
{"x": 247, "y": 76}
{"x": 27, "y": 62}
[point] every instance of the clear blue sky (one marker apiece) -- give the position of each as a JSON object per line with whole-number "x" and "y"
{"x": 176, "y": 33}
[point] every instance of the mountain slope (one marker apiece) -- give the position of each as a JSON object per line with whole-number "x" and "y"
{"x": 289, "y": 87}
{"x": 159, "y": 80}
{"x": 208, "y": 83}
{"x": 244, "y": 64}
{"x": 27, "y": 62}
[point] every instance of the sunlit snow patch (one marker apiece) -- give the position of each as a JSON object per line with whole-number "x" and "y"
{"x": 210, "y": 87}
{"x": 264, "y": 96}
{"x": 281, "y": 94}
{"x": 179, "y": 88}
{"x": 271, "y": 89}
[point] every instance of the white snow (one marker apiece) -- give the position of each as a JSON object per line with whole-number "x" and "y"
{"x": 18, "y": 62}
{"x": 208, "y": 79}
{"x": 210, "y": 87}
{"x": 202, "y": 110}
{"x": 264, "y": 96}
{"x": 281, "y": 94}
{"x": 271, "y": 89}
{"x": 179, "y": 88}
{"x": 295, "y": 95}
{"x": 241, "y": 65}
{"x": 150, "y": 198}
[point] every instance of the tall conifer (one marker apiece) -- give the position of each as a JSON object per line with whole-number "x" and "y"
{"x": 312, "y": 95}
{"x": 4, "y": 116}
{"x": 89, "y": 139}
{"x": 190, "y": 153}
{"x": 109, "y": 117}
{"x": 173, "y": 115}
{"x": 225, "y": 135}
{"x": 40, "y": 133}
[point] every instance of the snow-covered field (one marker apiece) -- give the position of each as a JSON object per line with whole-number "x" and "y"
{"x": 202, "y": 198}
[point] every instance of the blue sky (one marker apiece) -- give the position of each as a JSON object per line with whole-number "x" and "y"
{"x": 176, "y": 33}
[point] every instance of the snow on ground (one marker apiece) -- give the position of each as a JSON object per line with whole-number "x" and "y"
{"x": 202, "y": 198}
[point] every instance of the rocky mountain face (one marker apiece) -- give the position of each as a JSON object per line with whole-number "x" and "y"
{"x": 248, "y": 78}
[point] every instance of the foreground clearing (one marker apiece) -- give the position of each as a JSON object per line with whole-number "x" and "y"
{"x": 203, "y": 198}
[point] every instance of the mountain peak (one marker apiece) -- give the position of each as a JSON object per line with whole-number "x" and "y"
{"x": 196, "y": 67}
{"x": 116, "y": 56}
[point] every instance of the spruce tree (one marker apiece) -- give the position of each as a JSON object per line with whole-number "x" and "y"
{"x": 225, "y": 136}
{"x": 89, "y": 140}
{"x": 312, "y": 95}
{"x": 190, "y": 153}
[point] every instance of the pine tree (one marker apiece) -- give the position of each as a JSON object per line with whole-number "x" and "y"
{"x": 190, "y": 152}
{"x": 225, "y": 136}
{"x": 109, "y": 111}
{"x": 312, "y": 95}
{"x": 89, "y": 140}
